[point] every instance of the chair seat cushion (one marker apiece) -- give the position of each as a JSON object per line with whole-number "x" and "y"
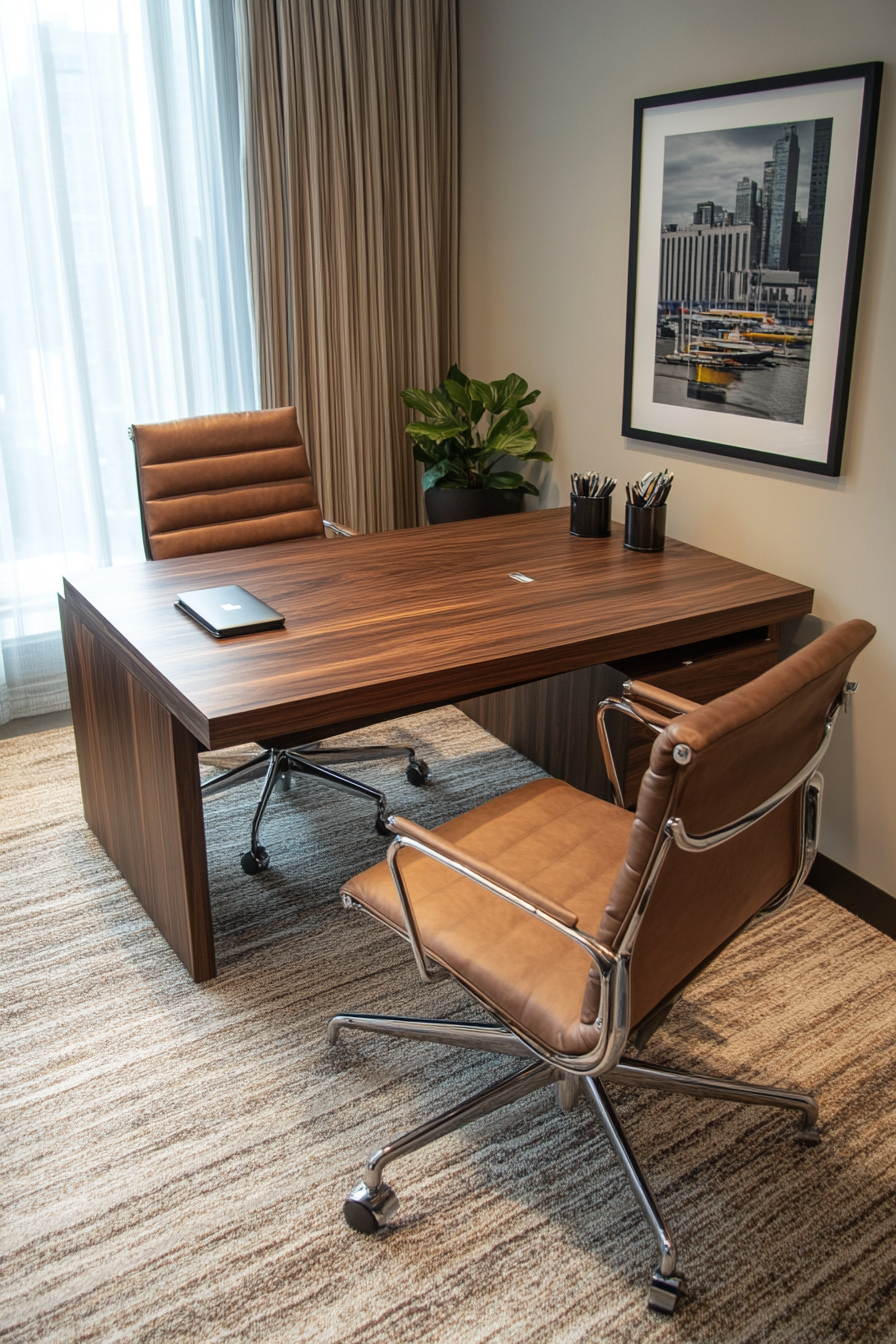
{"x": 565, "y": 845}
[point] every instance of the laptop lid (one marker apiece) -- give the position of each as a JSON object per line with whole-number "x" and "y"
{"x": 230, "y": 610}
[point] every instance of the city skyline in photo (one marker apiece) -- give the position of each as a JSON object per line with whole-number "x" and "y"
{"x": 709, "y": 165}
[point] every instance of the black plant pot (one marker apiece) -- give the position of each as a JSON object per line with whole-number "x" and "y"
{"x": 453, "y": 506}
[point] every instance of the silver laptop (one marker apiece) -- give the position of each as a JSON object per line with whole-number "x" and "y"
{"x": 229, "y": 611}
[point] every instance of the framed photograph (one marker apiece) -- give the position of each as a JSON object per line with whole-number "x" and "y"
{"x": 749, "y": 206}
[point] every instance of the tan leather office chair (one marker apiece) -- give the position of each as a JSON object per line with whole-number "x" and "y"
{"x": 578, "y": 925}
{"x": 223, "y": 482}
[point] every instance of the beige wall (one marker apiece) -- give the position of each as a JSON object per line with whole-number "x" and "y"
{"x": 547, "y": 88}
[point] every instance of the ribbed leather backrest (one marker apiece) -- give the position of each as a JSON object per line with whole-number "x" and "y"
{"x": 219, "y": 482}
{"x": 744, "y": 747}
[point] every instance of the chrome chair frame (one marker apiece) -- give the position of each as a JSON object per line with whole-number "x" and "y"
{"x": 372, "y": 1203}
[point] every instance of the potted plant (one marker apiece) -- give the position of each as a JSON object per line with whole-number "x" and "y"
{"x": 468, "y": 428}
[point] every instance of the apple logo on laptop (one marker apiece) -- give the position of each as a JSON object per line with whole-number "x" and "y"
{"x": 231, "y": 606}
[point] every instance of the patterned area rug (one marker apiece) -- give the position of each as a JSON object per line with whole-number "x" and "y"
{"x": 176, "y": 1155}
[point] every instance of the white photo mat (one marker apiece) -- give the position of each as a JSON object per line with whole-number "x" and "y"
{"x": 809, "y": 442}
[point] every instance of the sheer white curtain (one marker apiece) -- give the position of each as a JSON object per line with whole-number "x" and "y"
{"x": 124, "y": 292}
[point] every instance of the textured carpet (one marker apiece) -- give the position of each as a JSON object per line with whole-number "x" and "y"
{"x": 175, "y": 1156}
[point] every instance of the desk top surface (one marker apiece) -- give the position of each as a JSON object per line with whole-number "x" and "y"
{"x": 396, "y": 621}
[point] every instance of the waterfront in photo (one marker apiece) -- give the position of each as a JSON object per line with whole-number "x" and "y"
{"x": 773, "y": 390}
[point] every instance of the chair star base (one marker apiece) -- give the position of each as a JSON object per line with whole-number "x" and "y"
{"x": 278, "y": 766}
{"x": 373, "y": 1204}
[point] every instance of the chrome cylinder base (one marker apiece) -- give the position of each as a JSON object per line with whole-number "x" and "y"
{"x": 368, "y": 1210}
{"x": 664, "y": 1292}
{"x": 569, "y": 1090}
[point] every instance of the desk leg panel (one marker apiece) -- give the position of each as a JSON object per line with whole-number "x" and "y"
{"x": 139, "y": 769}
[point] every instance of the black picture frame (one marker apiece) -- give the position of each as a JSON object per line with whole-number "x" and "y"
{"x": 711, "y": 391}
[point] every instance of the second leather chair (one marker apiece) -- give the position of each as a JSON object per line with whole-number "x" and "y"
{"x": 223, "y": 482}
{"x": 577, "y": 925}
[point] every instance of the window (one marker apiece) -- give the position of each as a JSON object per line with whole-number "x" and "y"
{"x": 125, "y": 292}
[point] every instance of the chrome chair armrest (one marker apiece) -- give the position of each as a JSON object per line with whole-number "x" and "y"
{"x": 340, "y": 529}
{"x": 648, "y": 718}
{"x": 613, "y": 1020}
{"x": 652, "y": 707}
{"x": 654, "y": 697}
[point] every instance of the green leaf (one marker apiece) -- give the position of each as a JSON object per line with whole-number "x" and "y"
{"x": 418, "y": 430}
{"x": 535, "y": 456}
{"x": 482, "y": 392}
{"x": 434, "y": 404}
{"x": 456, "y": 376}
{"x": 422, "y": 453}
{"x": 435, "y": 474}
{"x": 509, "y": 480}
{"x": 511, "y": 434}
{"x": 508, "y": 391}
{"x": 479, "y": 452}
{"x": 459, "y": 394}
{"x": 527, "y": 401}
{"x": 502, "y": 480}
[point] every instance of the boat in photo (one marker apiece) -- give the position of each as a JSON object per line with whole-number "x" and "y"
{"x": 730, "y": 348}
{"x": 711, "y": 383}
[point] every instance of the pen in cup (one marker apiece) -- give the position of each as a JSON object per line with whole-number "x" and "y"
{"x": 651, "y": 491}
{"x": 590, "y": 486}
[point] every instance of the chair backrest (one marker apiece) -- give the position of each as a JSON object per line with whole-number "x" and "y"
{"x": 744, "y": 747}
{"x": 219, "y": 482}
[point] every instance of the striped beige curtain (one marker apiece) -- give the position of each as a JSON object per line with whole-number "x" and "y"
{"x": 350, "y": 131}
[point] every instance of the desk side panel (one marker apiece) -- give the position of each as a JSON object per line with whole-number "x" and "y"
{"x": 140, "y": 789}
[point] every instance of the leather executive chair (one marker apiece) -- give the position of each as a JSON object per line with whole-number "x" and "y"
{"x": 578, "y": 925}
{"x": 222, "y": 482}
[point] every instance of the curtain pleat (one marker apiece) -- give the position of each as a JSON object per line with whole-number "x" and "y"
{"x": 350, "y": 144}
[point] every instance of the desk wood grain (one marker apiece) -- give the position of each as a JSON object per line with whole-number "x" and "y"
{"x": 388, "y": 623}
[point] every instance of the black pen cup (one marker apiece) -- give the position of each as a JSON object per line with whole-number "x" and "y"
{"x": 589, "y": 517}
{"x": 645, "y": 528}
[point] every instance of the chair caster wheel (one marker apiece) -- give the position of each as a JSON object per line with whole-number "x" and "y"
{"x": 366, "y": 1210}
{"x": 380, "y": 827}
{"x": 417, "y": 773}
{"x": 664, "y": 1293}
{"x": 255, "y": 863}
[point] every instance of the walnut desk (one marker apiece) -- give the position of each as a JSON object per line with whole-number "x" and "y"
{"x": 376, "y": 626}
